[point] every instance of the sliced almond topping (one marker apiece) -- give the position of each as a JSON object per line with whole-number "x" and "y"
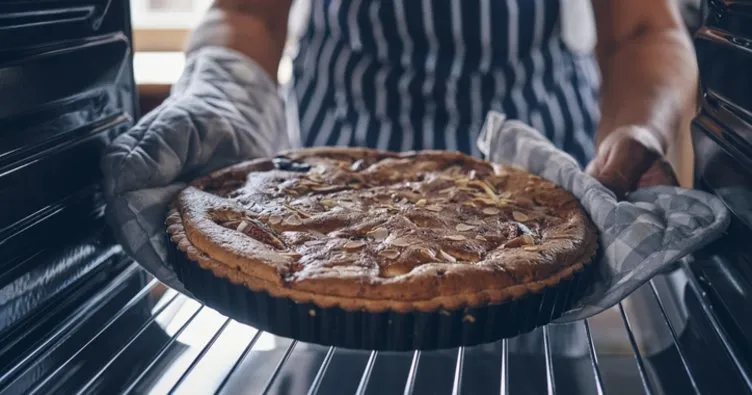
{"x": 481, "y": 238}
{"x": 389, "y": 253}
{"x": 401, "y": 242}
{"x": 486, "y": 188}
{"x": 275, "y": 219}
{"x": 485, "y": 201}
{"x": 357, "y": 165}
{"x": 328, "y": 202}
{"x": 242, "y": 226}
{"x": 315, "y": 242}
{"x": 446, "y": 256}
{"x": 491, "y": 211}
{"x": 300, "y": 212}
{"x": 461, "y": 182}
{"x": 354, "y": 244}
{"x": 394, "y": 271}
{"x": 471, "y": 175}
{"x": 518, "y": 216}
{"x": 435, "y": 208}
{"x": 379, "y": 234}
{"x": 291, "y": 254}
{"x": 456, "y": 237}
{"x": 293, "y": 220}
{"x": 476, "y": 222}
{"x": 327, "y": 188}
{"x": 427, "y": 252}
{"x": 464, "y": 227}
{"x": 505, "y": 195}
{"x": 520, "y": 241}
{"x": 421, "y": 202}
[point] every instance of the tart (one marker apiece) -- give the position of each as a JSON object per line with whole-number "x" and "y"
{"x": 303, "y": 243}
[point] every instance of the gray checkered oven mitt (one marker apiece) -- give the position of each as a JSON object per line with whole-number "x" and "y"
{"x": 639, "y": 237}
{"x": 224, "y": 109}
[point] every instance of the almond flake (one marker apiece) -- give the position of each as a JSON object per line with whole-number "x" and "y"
{"x": 471, "y": 175}
{"x": 520, "y": 241}
{"x": 293, "y": 220}
{"x": 400, "y": 242}
{"x": 389, "y": 253}
{"x": 447, "y": 256}
{"x": 505, "y": 195}
{"x": 456, "y": 237}
{"x": 327, "y": 188}
{"x": 518, "y": 216}
{"x": 421, "y": 202}
{"x": 379, "y": 234}
{"x": 354, "y": 244}
{"x": 481, "y": 238}
{"x": 394, "y": 271}
{"x": 291, "y": 254}
{"x": 242, "y": 226}
{"x": 315, "y": 242}
{"x": 328, "y": 202}
{"x": 491, "y": 211}
{"x": 275, "y": 219}
{"x": 476, "y": 222}
{"x": 486, "y": 188}
{"x": 435, "y": 208}
{"x": 357, "y": 165}
{"x": 464, "y": 227}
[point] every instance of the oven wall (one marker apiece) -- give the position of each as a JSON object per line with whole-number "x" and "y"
{"x": 66, "y": 89}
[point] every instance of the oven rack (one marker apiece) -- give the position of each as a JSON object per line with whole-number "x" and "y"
{"x": 158, "y": 341}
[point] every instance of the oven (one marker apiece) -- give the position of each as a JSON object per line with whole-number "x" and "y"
{"x": 78, "y": 316}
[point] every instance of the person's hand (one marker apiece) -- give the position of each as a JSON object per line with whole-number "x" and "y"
{"x": 630, "y": 158}
{"x": 224, "y": 109}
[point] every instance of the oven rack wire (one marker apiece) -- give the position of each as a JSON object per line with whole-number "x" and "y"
{"x": 201, "y": 368}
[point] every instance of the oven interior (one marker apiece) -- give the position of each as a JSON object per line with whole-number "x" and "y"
{"x": 78, "y": 316}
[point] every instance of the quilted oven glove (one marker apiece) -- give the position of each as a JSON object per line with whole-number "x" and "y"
{"x": 224, "y": 109}
{"x": 639, "y": 237}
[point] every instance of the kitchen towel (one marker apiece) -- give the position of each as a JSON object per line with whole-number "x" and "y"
{"x": 639, "y": 237}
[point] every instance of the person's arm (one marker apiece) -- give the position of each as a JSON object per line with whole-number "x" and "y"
{"x": 255, "y": 28}
{"x": 649, "y": 85}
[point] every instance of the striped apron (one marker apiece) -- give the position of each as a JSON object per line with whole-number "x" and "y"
{"x": 421, "y": 74}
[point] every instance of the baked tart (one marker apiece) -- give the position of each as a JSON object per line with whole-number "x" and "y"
{"x": 369, "y": 249}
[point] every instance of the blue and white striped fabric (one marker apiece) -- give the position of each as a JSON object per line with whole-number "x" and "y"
{"x": 419, "y": 74}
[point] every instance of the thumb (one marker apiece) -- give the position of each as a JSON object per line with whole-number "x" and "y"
{"x": 620, "y": 163}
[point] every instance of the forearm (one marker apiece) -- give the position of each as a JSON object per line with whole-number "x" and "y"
{"x": 649, "y": 80}
{"x": 255, "y": 28}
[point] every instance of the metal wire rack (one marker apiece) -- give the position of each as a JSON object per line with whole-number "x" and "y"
{"x": 158, "y": 341}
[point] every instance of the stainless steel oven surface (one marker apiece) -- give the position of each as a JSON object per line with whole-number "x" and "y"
{"x": 78, "y": 316}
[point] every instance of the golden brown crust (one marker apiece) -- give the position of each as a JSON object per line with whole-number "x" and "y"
{"x": 372, "y": 230}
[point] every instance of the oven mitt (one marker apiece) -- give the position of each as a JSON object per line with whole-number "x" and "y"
{"x": 639, "y": 237}
{"x": 224, "y": 109}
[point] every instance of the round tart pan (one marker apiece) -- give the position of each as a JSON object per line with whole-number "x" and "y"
{"x": 388, "y": 330}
